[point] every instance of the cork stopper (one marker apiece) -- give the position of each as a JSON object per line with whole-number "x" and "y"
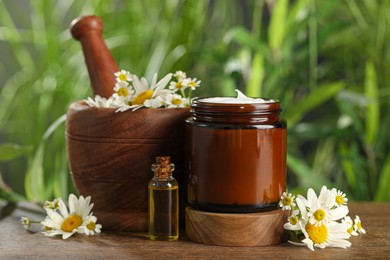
{"x": 163, "y": 167}
{"x": 163, "y": 160}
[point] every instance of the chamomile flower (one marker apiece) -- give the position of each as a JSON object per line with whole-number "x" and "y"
{"x": 180, "y": 84}
{"x": 51, "y": 204}
{"x": 123, "y": 89}
{"x": 319, "y": 210}
{"x": 144, "y": 91}
{"x": 347, "y": 220}
{"x": 358, "y": 226}
{"x": 293, "y": 221}
{"x": 175, "y": 101}
{"x": 26, "y": 222}
{"x": 287, "y": 201}
{"x": 91, "y": 228}
{"x": 98, "y": 101}
{"x": 64, "y": 222}
{"x": 332, "y": 234}
{"x": 192, "y": 83}
{"x": 340, "y": 197}
{"x": 322, "y": 220}
{"x": 111, "y": 102}
{"x": 180, "y": 75}
{"x": 132, "y": 92}
{"x": 177, "y": 85}
{"x": 123, "y": 76}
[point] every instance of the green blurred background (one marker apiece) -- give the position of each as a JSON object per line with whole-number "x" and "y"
{"x": 326, "y": 60}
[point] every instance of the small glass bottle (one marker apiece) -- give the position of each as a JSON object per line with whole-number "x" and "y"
{"x": 163, "y": 202}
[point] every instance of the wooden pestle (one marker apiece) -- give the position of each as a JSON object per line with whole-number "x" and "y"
{"x": 100, "y": 63}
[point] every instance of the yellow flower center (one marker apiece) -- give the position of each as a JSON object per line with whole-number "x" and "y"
{"x": 319, "y": 214}
{"x": 124, "y": 92}
{"x": 91, "y": 225}
{"x": 349, "y": 230}
{"x": 359, "y": 225}
{"x": 177, "y": 101}
{"x": 317, "y": 234}
{"x": 122, "y": 77}
{"x": 140, "y": 99}
{"x": 72, "y": 222}
{"x": 339, "y": 199}
{"x": 192, "y": 84}
{"x": 179, "y": 85}
{"x": 287, "y": 201}
{"x": 293, "y": 220}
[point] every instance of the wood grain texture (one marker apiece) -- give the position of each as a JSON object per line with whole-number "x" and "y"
{"x": 100, "y": 63}
{"x": 110, "y": 156}
{"x": 16, "y": 243}
{"x": 245, "y": 229}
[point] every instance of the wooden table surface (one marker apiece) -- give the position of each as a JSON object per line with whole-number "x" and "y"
{"x": 15, "y": 242}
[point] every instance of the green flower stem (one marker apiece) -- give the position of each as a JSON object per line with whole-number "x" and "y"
{"x": 183, "y": 93}
{"x": 190, "y": 94}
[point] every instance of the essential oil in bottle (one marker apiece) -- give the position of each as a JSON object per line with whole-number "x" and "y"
{"x": 163, "y": 202}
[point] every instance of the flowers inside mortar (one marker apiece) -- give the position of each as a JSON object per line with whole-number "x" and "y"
{"x": 66, "y": 222}
{"x": 132, "y": 92}
{"x": 320, "y": 221}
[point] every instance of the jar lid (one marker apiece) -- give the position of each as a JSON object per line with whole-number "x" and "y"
{"x": 236, "y": 100}
{"x": 239, "y": 104}
{"x": 209, "y": 104}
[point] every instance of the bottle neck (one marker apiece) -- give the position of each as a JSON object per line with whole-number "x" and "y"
{"x": 163, "y": 171}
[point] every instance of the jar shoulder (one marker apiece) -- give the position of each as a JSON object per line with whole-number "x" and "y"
{"x": 280, "y": 123}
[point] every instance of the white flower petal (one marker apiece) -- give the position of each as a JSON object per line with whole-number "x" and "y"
{"x": 137, "y": 84}
{"x": 323, "y": 194}
{"x": 154, "y": 80}
{"x": 296, "y": 243}
{"x": 48, "y": 222}
{"x": 51, "y": 233}
{"x": 62, "y": 209}
{"x": 153, "y": 103}
{"x": 87, "y": 200}
{"x": 67, "y": 235}
{"x": 163, "y": 82}
{"x": 339, "y": 213}
{"x": 144, "y": 84}
{"x": 312, "y": 198}
{"x": 301, "y": 205}
{"x": 309, "y": 243}
{"x": 289, "y": 226}
{"x": 125, "y": 108}
{"x": 87, "y": 210}
{"x": 73, "y": 203}
{"x": 55, "y": 216}
{"x": 326, "y": 198}
{"x": 342, "y": 243}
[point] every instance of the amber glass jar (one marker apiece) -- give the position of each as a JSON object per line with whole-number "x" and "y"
{"x": 236, "y": 155}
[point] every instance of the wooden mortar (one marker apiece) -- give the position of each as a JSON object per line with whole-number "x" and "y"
{"x": 110, "y": 154}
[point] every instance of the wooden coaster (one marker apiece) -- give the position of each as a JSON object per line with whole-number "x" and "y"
{"x": 242, "y": 229}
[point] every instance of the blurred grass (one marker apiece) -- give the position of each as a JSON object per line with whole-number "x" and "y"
{"x": 326, "y": 61}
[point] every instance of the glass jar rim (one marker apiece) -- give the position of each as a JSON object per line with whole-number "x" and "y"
{"x": 272, "y": 105}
